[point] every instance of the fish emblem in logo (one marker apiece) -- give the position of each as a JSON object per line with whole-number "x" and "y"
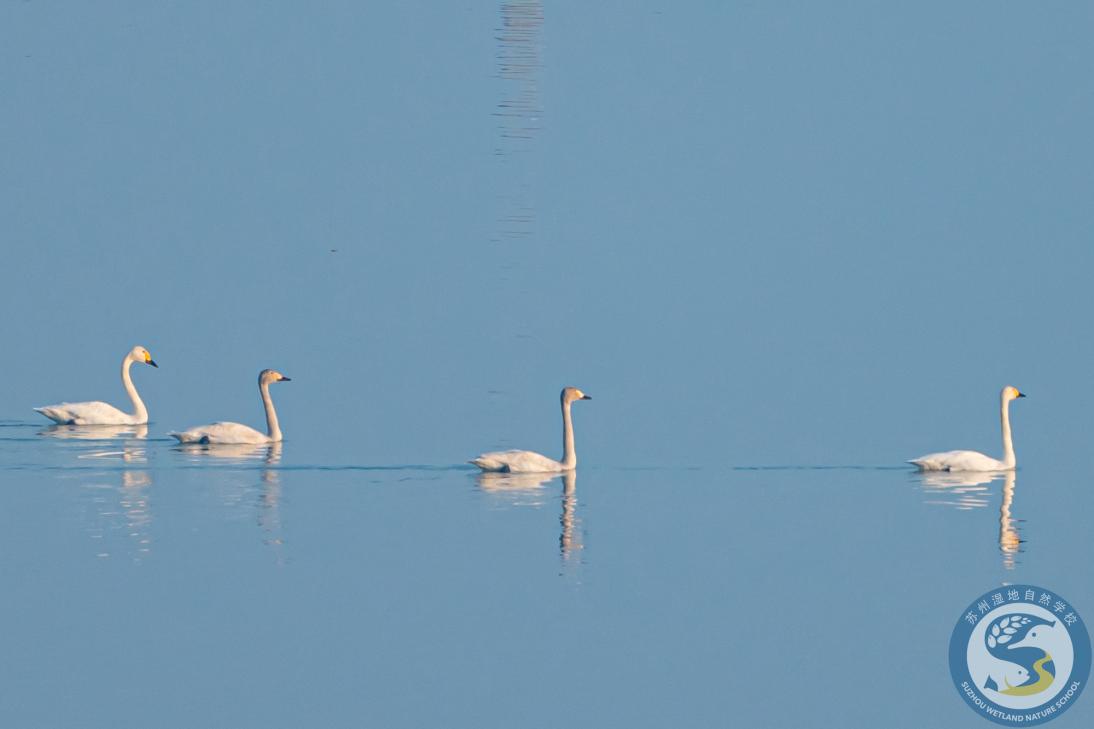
{"x": 1022, "y": 663}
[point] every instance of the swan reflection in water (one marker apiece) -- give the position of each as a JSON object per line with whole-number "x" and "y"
{"x": 269, "y": 494}
{"x": 136, "y": 506}
{"x": 269, "y": 502}
{"x": 96, "y": 432}
{"x": 133, "y": 504}
{"x": 959, "y": 489}
{"x": 1010, "y": 542}
{"x": 519, "y": 489}
{"x": 570, "y": 541}
{"x": 527, "y": 489}
{"x": 270, "y": 453}
{"x": 972, "y": 490}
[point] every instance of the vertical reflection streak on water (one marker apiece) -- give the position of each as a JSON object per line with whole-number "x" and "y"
{"x": 240, "y": 495}
{"x": 517, "y": 123}
{"x": 970, "y": 491}
{"x": 570, "y": 540}
{"x": 129, "y": 511}
{"x": 137, "y": 508}
{"x": 521, "y": 490}
{"x": 519, "y": 111}
{"x": 512, "y": 245}
{"x": 1010, "y": 542}
{"x": 269, "y": 505}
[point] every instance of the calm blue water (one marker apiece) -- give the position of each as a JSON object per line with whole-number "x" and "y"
{"x": 152, "y": 585}
{"x": 783, "y": 248}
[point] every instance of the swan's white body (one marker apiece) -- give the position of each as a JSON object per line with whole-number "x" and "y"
{"x": 237, "y": 432}
{"x": 532, "y": 462}
{"x": 101, "y": 413}
{"x": 519, "y": 462}
{"x": 224, "y": 433}
{"x": 973, "y": 460}
{"x": 960, "y": 461}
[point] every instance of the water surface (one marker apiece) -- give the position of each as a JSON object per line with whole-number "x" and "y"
{"x": 784, "y": 248}
{"x": 255, "y": 587}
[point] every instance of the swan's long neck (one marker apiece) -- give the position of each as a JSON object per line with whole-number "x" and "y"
{"x": 1008, "y": 445}
{"x": 272, "y": 427}
{"x": 569, "y": 455}
{"x": 140, "y": 411}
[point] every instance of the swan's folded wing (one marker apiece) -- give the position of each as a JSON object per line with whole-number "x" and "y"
{"x": 221, "y": 433}
{"x": 86, "y": 413}
{"x": 56, "y": 413}
{"x": 957, "y": 461}
{"x": 517, "y": 462}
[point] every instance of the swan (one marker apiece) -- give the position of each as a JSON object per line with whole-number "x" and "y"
{"x": 531, "y": 462}
{"x": 972, "y": 460}
{"x": 101, "y": 413}
{"x": 236, "y": 432}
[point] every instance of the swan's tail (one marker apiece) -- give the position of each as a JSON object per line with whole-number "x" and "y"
{"x": 487, "y": 464}
{"x": 57, "y": 416}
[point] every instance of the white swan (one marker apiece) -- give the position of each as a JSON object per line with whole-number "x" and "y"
{"x": 235, "y": 432}
{"x": 100, "y": 413}
{"x": 972, "y": 460}
{"x": 531, "y": 462}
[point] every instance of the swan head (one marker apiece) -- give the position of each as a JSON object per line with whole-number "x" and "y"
{"x": 569, "y": 394}
{"x": 142, "y": 355}
{"x": 265, "y": 377}
{"x": 1011, "y": 393}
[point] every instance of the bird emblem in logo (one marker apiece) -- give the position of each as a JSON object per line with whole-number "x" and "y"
{"x": 1020, "y": 647}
